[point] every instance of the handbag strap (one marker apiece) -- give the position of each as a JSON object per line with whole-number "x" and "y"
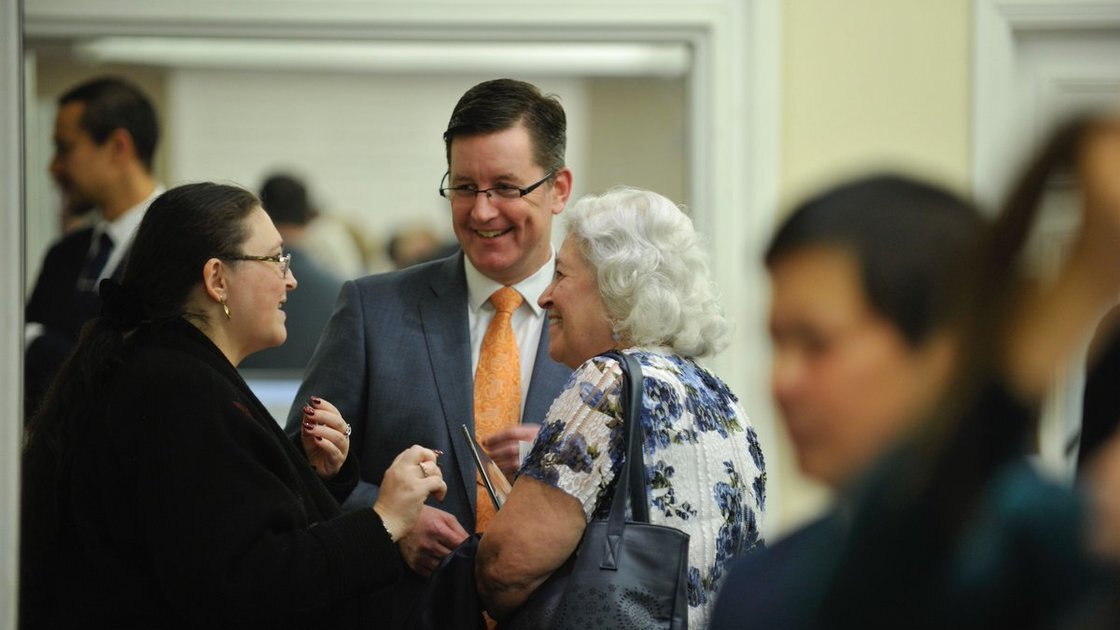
{"x": 632, "y": 477}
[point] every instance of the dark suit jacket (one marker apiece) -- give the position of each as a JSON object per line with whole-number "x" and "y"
{"x": 309, "y": 309}
{"x": 395, "y": 359}
{"x": 188, "y": 507}
{"x": 54, "y": 303}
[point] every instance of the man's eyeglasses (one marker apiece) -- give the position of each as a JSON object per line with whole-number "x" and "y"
{"x": 284, "y": 260}
{"x": 461, "y": 194}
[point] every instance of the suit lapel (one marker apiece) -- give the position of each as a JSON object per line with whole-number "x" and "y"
{"x": 443, "y": 318}
{"x": 545, "y": 384}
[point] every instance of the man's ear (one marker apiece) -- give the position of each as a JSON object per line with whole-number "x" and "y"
{"x": 561, "y": 188}
{"x": 214, "y": 279}
{"x": 121, "y": 144}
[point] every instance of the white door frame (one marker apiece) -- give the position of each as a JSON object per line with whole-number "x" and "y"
{"x": 11, "y": 316}
{"x": 998, "y": 136}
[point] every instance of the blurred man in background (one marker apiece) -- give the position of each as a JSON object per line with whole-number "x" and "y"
{"x": 105, "y": 137}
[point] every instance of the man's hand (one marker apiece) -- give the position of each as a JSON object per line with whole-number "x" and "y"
{"x": 435, "y": 534}
{"x": 502, "y": 447}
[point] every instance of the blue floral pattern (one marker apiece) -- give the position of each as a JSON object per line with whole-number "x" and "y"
{"x": 705, "y": 470}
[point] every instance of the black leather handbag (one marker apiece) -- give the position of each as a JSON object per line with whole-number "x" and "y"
{"x": 624, "y": 573}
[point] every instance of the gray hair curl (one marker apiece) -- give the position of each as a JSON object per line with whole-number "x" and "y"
{"x": 653, "y": 275}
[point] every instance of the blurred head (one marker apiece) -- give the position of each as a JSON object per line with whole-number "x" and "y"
{"x": 285, "y": 199}
{"x": 862, "y": 283}
{"x": 414, "y": 244}
{"x": 631, "y": 272}
{"x": 189, "y": 257}
{"x": 505, "y": 137}
{"x": 102, "y": 127}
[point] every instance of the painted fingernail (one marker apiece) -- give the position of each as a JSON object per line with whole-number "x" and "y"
{"x": 315, "y": 400}
{"x": 309, "y": 425}
{"x": 309, "y": 411}
{"x": 437, "y": 451}
{"x": 318, "y": 438}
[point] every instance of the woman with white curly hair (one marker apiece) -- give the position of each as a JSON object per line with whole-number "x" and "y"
{"x": 631, "y": 276}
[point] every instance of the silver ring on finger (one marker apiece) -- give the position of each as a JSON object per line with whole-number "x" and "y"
{"x": 423, "y": 471}
{"x": 349, "y": 430}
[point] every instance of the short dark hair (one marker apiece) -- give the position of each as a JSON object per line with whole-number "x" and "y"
{"x": 112, "y": 103}
{"x": 285, "y": 199}
{"x": 910, "y": 240}
{"x": 502, "y": 104}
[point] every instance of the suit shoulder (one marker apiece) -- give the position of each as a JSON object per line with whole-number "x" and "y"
{"x": 73, "y": 244}
{"x": 413, "y": 278}
{"x": 165, "y": 364}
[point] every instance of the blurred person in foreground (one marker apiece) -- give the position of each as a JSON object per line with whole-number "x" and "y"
{"x": 158, "y": 492}
{"x": 942, "y": 522}
{"x": 288, "y": 204}
{"x": 105, "y": 137}
{"x": 631, "y": 276}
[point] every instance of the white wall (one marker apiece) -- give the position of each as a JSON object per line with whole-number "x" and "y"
{"x": 869, "y": 84}
{"x": 369, "y": 145}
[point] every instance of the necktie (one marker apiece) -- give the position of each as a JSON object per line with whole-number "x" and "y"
{"x": 497, "y": 385}
{"x": 95, "y": 263}
{"x": 88, "y": 301}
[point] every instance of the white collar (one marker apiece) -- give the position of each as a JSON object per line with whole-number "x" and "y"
{"x": 124, "y": 226}
{"x": 480, "y": 288}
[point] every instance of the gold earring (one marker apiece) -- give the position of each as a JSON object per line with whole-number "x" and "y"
{"x": 225, "y": 307}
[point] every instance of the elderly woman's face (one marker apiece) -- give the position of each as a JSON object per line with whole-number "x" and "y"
{"x": 578, "y": 325}
{"x": 844, "y": 377}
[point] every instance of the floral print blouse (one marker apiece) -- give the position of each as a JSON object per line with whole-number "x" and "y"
{"x": 705, "y": 471}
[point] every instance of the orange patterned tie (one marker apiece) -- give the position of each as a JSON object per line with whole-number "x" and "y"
{"x": 497, "y": 385}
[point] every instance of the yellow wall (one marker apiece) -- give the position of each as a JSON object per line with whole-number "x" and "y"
{"x": 872, "y": 83}
{"x": 869, "y": 84}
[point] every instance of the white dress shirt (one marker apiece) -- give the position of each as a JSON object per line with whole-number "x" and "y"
{"x": 528, "y": 320}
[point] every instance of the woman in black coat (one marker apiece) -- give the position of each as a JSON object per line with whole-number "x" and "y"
{"x": 159, "y": 492}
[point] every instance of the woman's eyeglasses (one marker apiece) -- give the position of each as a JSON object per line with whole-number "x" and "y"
{"x": 284, "y": 260}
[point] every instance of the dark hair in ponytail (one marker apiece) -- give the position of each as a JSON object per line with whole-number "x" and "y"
{"x": 183, "y": 228}
{"x": 965, "y": 453}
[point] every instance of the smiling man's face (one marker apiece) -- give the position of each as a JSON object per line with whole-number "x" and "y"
{"x": 506, "y": 239}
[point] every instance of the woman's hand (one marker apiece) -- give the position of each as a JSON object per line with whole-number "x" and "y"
{"x": 409, "y": 481}
{"x": 325, "y": 436}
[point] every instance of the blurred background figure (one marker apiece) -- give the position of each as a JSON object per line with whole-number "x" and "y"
{"x": 286, "y": 201}
{"x": 105, "y": 137}
{"x": 337, "y": 245}
{"x": 416, "y": 244}
{"x": 74, "y": 215}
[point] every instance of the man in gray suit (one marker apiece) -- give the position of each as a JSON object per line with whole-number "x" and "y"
{"x": 399, "y": 354}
